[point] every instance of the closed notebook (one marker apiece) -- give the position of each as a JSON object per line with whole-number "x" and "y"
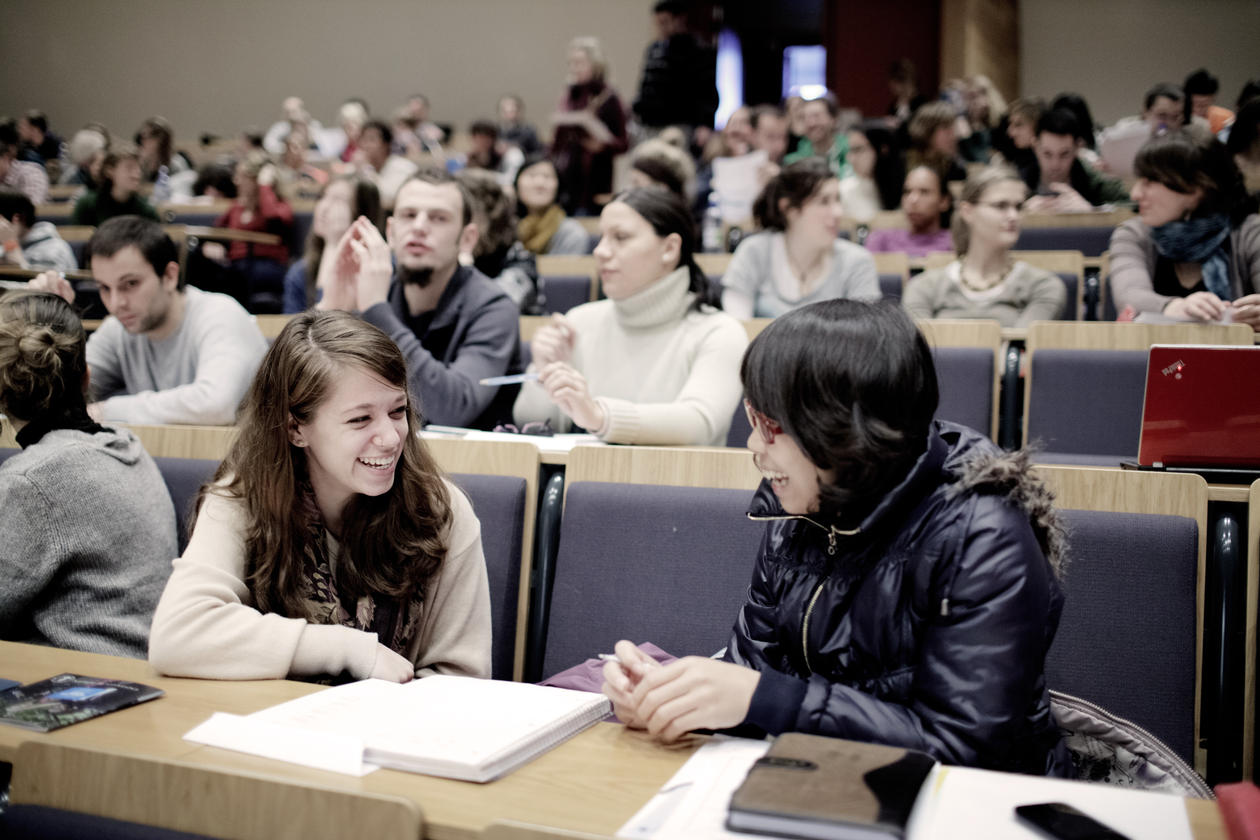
{"x": 457, "y": 727}
{"x": 69, "y": 698}
{"x": 811, "y": 786}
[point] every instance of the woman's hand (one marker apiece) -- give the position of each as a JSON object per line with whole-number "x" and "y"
{"x": 52, "y": 281}
{"x": 1200, "y": 306}
{"x": 390, "y": 666}
{"x": 568, "y": 389}
{"x": 692, "y": 693}
{"x": 376, "y": 267}
{"x": 338, "y": 276}
{"x": 553, "y": 342}
{"x": 1246, "y": 310}
{"x": 620, "y": 679}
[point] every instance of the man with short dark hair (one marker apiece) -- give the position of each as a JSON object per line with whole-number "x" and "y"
{"x": 22, "y": 176}
{"x": 383, "y": 168}
{"x": 678, "y": 85}
{"x": 27, "y": 243}
{"x": 821, "y": 137}
{"x": 33, "y": 131}
{"x": 168, "y": 353}
{"x": 454, "y": 325}
{"x": 769, "y": 131}
{"x": 1057, "y": 179}
{"x": 1201, "y": 88}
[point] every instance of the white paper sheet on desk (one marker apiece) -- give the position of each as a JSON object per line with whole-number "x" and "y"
{"x": 555, "y": 443}
{"x": 323, "y": 751}
{"x": 961, "y": 803}
{"x": 693, "y": 804}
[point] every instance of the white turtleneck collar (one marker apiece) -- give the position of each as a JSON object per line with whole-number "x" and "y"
{"x": 665, "y": 301}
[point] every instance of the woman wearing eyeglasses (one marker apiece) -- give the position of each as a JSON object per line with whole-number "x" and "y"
{"x": 906, "y": 590}
{"x": 985, "y": 282}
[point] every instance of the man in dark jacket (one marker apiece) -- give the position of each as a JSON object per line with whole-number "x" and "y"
{"x": 454, "y": 326}
{"x": 678, "y": 75}
{"x": 906, "y": 589}
{"x": 1057, "y": 179}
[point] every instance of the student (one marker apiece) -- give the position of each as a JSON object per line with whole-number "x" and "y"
{"x": 27, "y": 243}
{"x": 169, "y": 353}
{"x": 906, "y": 589}
{"x": 655, "y": 363}
{"x": 86, "y": 522}
{"x": 926, "y": 202}
{"x": 348, "y": 553}
{"x": 1193, "y": 253}
{"x": 543, "y": 227}
{"x": 984, "y": 282}
{"x": 258, "y": 208}
{"x": 118, "y": 194}
{"x": 1059, "y": 180}
{"x": 344, "y": 199}
{"x": 798, "y": 258}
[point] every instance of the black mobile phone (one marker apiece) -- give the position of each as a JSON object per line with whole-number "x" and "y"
{"x": 1063, "y": 822}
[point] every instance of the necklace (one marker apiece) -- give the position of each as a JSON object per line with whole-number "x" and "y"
{"x": 977, "y": 282}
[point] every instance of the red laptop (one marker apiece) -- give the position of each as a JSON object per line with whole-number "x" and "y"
{"x": 1202, "y": 408}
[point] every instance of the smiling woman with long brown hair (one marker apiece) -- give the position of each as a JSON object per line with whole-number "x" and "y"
{"x": 328, "y": 543}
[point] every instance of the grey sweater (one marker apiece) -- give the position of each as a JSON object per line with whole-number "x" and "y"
{"x": 198, "y": 375}
{"x": 755, "y": 281}
{"x": 87, "y": 536}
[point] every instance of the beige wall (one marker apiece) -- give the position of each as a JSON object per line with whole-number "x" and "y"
{"x": 1111, "y": 51}
{"x": 220, "y": 65}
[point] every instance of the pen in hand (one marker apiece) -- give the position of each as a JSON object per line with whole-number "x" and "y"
{"x": 510, "y": 379}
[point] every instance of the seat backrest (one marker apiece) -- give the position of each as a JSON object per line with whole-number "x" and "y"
{"x": 501, "y": 480}
{"x": 499, "y": 502}
{"x": 1090, "y": 241}
{"x": 1131, "y": 629}
{"x": 562, "y": 292}
{"x": 890, "y": 285}
{"x": 965, "y": 377}
{"x": 184, "y": 478}
{"x": 1085, "y": 403}
{"x": 650, "y": 563}
{"x": 179, "y": 796}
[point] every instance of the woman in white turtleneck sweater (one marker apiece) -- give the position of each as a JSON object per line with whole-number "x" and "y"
{"x": 655, "y": 363}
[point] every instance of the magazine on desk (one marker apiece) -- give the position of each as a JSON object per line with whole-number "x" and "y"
{"x": 456, "y": 727}
{"x": 69, "y": 698}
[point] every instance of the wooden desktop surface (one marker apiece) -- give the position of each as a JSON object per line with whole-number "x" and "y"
{"x": 592, "y": 783}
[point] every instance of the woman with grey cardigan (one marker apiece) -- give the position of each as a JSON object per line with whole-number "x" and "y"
{"x": 798, "y": 258}
{"x": 86, "y": 523}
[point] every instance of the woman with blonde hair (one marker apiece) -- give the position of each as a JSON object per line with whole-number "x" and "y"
{"x": 590, "y": 129}
{"x": 88, "y": 525}
{"x": 985, "y": 282}
{"x": 329, "y": 543}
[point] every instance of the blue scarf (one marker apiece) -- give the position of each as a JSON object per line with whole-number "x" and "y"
{"x": 1201, "y": 241}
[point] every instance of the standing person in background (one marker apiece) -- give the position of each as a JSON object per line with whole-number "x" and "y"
{"x": 678, "y": 83}
{"x": 86, "y": 521}
{"x": 926, "y": 201}
{"x": 342, "y": 200}
{"x": 984, "y": 282}
{"x": 1193, "y": 253}
{"x": 119, "y": 192}
{"x": 543, "y": 227}
{"x": 654, "y": 363}
{"x": 349, "y": 555}
{"x": 798, "y": 257}
{"x": 589, "y": 130}
{"x": 818, "y": 117}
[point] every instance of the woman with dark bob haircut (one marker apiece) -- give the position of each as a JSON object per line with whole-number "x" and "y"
{"x": 798, "y": 258}
{"x": 906, "y": 588}
{"x": 1193, "y": 253}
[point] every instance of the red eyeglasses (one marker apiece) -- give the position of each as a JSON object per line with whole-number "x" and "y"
{"x": 766, "y": 427}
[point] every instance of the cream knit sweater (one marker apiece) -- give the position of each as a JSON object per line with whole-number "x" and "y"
{"x": 663, "y": 373}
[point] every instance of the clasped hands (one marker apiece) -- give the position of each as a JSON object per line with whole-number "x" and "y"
{"x": 552, "y": 352}
{"x": 671, "y": 700}
{"x": 358, "y": 271}
{"x": 1205, "y": 306}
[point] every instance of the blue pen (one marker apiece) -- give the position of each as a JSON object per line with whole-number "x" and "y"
{"x": 510, "y": 379}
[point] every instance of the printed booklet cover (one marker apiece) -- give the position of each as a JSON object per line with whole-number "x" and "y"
{"x": 68, "y": 698}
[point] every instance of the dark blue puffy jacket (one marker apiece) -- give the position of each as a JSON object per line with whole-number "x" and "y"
{"x": 926, "y": 626}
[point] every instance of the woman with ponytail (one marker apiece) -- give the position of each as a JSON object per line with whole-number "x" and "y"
{"x": 798, "y": 258}
{"x": 86, "y": 522}
{"x": 655, "y": 363}
{"x": 1193, "y": 253}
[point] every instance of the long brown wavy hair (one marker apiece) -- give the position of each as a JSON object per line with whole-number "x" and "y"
{"x": 391, "y": 544}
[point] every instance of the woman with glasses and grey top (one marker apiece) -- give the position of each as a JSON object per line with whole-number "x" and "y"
{"x": 985, "y": 282}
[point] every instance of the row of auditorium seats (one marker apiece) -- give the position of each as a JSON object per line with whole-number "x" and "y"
{"x": 653, "y": 544}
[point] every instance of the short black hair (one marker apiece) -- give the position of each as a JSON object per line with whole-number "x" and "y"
{"x": 762, "y": 111}
{"x": 382, "y": 128}
{"x": 37, "y": 119}
{"x": 8, "y": 136}
{"x": 1059, "y": 121}
{"x": 1165, "y": 89}
{"x": 438, "y": 176}
{"x": 215, "y": 175}
{"x": 1076, "y": 103}
{"x": 13, "y": 203}
{"x": 145, "y": 234}
{"x": 854, "y": 385}
{"x": 670, "y": 7}
{"x": 1202, "y": 83}
{"x": 485, "y": 128}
